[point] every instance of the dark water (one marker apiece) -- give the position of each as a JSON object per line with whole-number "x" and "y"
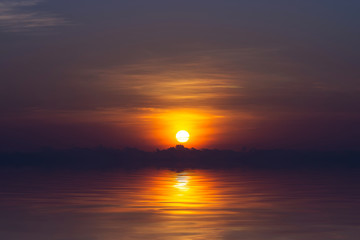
{"x": 163, "y": 204}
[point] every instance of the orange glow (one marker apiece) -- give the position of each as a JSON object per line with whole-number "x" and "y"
{"x": 151, "y": 128}
{"x": 166, "y": 123}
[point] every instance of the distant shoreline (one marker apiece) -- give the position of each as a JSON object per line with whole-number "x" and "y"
{"x": 180, "y": 157}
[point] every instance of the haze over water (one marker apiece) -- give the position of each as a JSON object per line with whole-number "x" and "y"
{"x": 165, "y": 204}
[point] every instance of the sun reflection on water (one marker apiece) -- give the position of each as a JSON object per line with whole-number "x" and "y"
{"x": 182, "y": 182}
{"x": 178, "y": 193}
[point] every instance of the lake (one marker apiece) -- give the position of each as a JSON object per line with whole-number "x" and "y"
{"x": 172, "y": 205}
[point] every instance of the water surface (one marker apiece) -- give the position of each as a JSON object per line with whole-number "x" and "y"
{"x": 165, "y": 204}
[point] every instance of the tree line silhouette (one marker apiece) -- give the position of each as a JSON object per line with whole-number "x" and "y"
{"x": 179, "y": 157}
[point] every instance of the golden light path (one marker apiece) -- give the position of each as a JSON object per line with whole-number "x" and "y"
{"x": 194, "y": 204}
{"x": 178, "y": 193}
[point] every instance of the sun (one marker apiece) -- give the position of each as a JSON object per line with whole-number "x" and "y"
{"x": 182, "y": 136}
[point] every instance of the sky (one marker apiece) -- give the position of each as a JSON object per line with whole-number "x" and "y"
{"x": 131, "y": 73}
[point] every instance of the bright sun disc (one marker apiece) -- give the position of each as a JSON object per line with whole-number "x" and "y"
{"x": 182, "y": 136}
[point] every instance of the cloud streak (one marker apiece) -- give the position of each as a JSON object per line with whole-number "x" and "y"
{"x": 19, "y": 16}
{"x": 248, "y": 79}
{"x": 186, "y": 80}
